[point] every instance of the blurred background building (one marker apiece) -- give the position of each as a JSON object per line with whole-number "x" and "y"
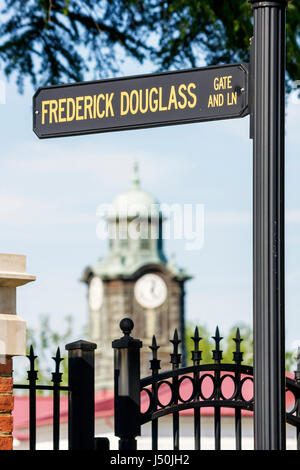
{"x": 135, "y": 280}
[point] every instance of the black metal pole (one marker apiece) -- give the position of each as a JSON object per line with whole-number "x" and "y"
{"x": 268, "y": 69}
{"x": 82, "y": 395}
{"x": 127, "y": 387}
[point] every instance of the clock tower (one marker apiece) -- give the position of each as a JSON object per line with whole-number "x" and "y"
{"x": 135, "y": 280}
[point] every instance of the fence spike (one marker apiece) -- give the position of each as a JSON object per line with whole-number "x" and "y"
{"x": 57, "y": 359}
{"x": 175, "y": 341}
{"x": 297, "y": 371}
{"x": 32, "y": 374}
{"x": 217, "y": 338}
{"x": 217, "y": 353}
{"x": 298, "y": 358}
{"x": 175, "y": 356}
{"x": 196, "y": 354}
{"x": 57, "y": 375}
{"x": 237, "y": 340}
{"x": 237, "y": 354}
{"x": 31, "y": 356}
{"x": 175, "y": 335}
{"x": 154, "y": 362}
{"x": 196, "y": 337}
{"x": 154, "y": 346}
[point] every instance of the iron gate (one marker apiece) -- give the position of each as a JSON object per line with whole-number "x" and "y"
{"x": 128, "y": 388}
{"x": 129, "y": 385}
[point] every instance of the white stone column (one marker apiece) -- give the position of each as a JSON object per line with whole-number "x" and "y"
{"x": 12, "y": 338}
{"x": 12, "y": 327}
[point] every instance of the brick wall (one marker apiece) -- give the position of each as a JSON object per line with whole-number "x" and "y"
{"x": 6, "y": 404}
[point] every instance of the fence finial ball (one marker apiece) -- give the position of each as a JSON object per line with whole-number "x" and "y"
{"x": 126, "y": 326}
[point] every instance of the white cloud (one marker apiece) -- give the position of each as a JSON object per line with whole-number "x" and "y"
{"x": 228, "y": 217}
{"x": 293, "y": 276}
{"x": 244, "y": 217}
{"x": 292, "y": 121}
{"x": 10, "y": 205}
{"x": 293, "y": 216}
{"x": 111, "y": 166}
{"x": 20, "y": 210}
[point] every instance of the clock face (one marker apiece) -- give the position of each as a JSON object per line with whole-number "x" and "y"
{"x": 150, "y": 291}
{"x": 95, "y": 293}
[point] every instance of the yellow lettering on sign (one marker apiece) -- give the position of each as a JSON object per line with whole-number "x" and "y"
{"x": 99, "y": 113}
{"x": 53, "y": 105}
{"x": 172, "y": 98}
{"x": 223, "y": 83}
{"x": 161, "y": 107}
{"x": 192, "y": 103}
{"x": 124, "y": 110}
{"x": 70, "y": 101}
{"x": 78, "y": 108}
{"x": 108, "y": 104}
{"x": 231, "y": 98}
{"x": 216, "y": 100}
{"x": 88, "y": 103}
{"x": 44, "y": 110}
{"x": 182, "y": 104}
{"x": 94, "y": 106}
{"x": 153, "y": 104}
{"x": 61, "y": 110}
{"x": 134, "y": 102}
{"x": 144, "y": 109}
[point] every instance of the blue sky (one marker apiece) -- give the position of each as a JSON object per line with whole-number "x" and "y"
{"x": 50, "y": 190}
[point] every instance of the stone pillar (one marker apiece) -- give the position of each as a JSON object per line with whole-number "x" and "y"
{"x": 12, "y": 337}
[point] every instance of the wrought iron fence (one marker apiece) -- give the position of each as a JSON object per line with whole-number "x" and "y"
{"x": 128, "y": 387}
{"x": 80, "y": 390}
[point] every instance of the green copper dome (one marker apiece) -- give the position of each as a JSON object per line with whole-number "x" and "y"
{"x": 134, "y": 203}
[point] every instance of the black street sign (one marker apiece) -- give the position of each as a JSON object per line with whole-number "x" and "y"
{"x": 195, "y": 95}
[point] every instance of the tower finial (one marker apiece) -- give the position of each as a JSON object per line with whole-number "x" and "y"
{"x": 136, "y": 178}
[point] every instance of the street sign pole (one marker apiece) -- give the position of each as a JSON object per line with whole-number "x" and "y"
{"x": 268, "y": 207}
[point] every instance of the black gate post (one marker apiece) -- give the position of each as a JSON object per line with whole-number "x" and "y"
{"x": 268, "y": 206}
{"x": 127, "y": 387}
{"x": 82, "y": 395}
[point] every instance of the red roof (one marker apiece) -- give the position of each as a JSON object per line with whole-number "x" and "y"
{"x": 104, "y": 403}
{"x": 104, "y": 406}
